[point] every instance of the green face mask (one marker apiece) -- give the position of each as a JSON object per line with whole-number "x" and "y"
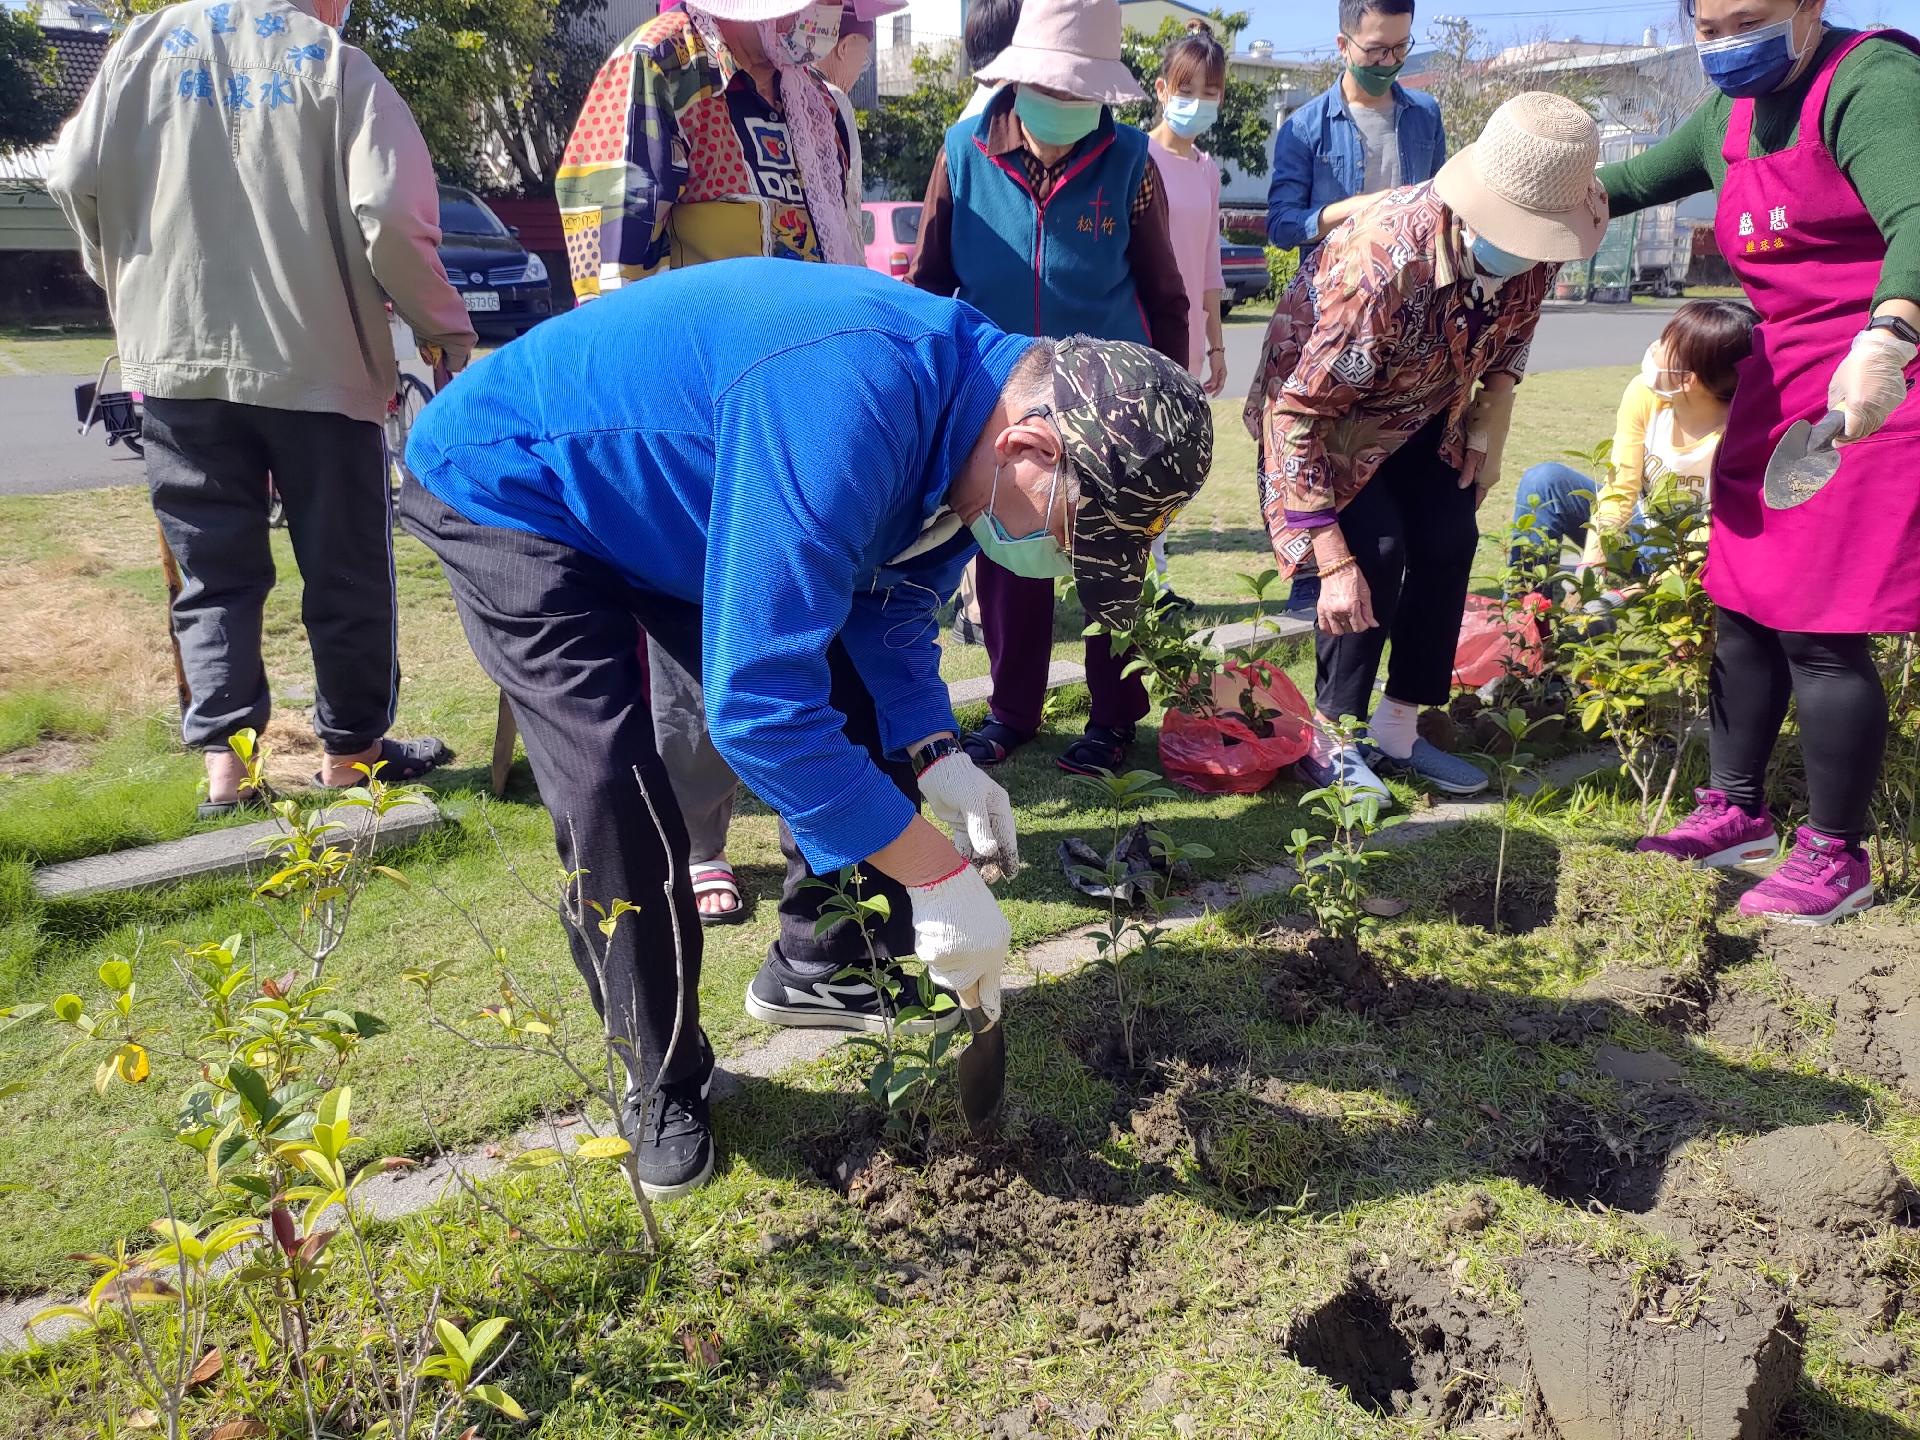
{"x": 1055, "y": 122}
{"x": 1375, "y": 79}
{"x": 1035, "y": 557}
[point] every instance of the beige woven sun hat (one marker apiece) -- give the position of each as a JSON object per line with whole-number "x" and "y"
{"x": 1527, "y": 183}
{"x": 1068, "y": 46}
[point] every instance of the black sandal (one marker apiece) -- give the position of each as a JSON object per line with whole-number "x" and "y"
{"x": 220, "y": 809}
{"x": 1096, "y": 750}
{"x": 992, "y": 743}
{"x": 404, "y": 760}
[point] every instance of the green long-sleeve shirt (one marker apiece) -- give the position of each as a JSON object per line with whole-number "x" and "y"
{"x": 1871, "y": 128}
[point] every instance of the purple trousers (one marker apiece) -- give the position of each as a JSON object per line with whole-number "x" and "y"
{"x": 1016, "y": 616}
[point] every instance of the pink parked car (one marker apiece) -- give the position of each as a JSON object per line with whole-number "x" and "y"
{"x": 890, "y": 229}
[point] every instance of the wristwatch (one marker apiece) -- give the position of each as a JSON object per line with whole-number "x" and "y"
{"x": 937, "y": 749}
{"x": 1898, "y": 326}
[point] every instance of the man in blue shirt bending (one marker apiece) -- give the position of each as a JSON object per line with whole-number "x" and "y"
{"x": 1366, "y": 134}
{"x": 777, "y": 472}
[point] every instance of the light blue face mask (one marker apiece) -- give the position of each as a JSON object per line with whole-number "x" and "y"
{"x": 1495, "y": 261}
{"x": 1188, "y": 116}
{"x": 1035, "y": 557}
{"x": 1055, "y": 122}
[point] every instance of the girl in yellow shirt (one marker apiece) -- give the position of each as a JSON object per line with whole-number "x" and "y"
{"x": 1667, "y": 430}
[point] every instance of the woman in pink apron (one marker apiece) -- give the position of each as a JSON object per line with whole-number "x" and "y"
{"x": 1813, "y": 147}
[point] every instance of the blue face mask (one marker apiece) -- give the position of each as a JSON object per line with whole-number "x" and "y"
{"x": 1055, "y": 122}
{"x": 1495, "y": 261}
{"x": 1188, "y": 117}
{"x": 1037, "y": 556}
{"x": 1755, "y": 62}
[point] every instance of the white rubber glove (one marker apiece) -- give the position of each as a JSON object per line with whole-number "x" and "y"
{"x": 1869, "y": 385}
{"x": 961, "y": 935}
{"x": 1488, "y": 420}
{"x": 977, "y": 811}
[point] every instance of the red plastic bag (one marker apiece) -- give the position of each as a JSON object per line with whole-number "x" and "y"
{"x": 1490, "y": 639}
{"x": 1219, "y": 753}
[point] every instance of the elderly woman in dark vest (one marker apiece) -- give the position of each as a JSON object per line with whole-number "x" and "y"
{"x": 1048, "y": 214}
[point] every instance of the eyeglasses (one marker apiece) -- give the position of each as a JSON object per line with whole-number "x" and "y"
{"x": 1380, "y": 54}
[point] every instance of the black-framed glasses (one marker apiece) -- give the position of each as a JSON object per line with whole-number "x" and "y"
{"x": 1380, "y": 54}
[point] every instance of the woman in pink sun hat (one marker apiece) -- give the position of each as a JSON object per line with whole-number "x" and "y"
{"x": 1051, "y": 217}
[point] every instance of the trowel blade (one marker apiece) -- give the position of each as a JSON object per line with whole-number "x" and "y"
{"x": 1803, "y": 462}
{"x": 980, "y": 1074}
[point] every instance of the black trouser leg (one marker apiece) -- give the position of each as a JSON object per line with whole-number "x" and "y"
{"x": 1842, "y": 712}
{"x": 801, "y": 903}
{"x": 1441, "y": 531}
{"x": 331, "y": 473}
{"x": 559, "y": 632}
{"x": 1748, "y": 689}
{"x": 1842, "y": 709}
{"x": 207, "y": 473}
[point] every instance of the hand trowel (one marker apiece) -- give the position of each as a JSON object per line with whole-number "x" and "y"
{"x": 1803, "y": 462}
{"x": 980, "y": 1074}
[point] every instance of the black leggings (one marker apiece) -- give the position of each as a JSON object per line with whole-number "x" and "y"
{"x": 1842, "y": 708}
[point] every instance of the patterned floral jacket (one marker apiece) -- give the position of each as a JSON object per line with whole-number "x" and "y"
{"x": 677, "y": 159}
{"x": 1380, "y": 333}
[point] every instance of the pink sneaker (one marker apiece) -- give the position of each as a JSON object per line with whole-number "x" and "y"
{"x": 1717, "y": 834}
{"x": 1822, "y": 881}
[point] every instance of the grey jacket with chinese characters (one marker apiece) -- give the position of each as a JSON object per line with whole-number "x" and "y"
{"x": 246, "y": 187}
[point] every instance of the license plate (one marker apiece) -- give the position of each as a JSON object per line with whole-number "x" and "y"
{"x": 482, "y": 299}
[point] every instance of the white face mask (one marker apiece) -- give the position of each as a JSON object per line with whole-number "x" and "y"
{"x": 1652, "y": 372}
{"x": 814, "y": 34}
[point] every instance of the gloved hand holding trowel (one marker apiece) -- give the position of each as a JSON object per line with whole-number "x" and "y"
{"x": 960, "y": 933}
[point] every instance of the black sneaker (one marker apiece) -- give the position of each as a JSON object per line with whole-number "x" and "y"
{"x": 675, "y": 1144}
{"x": 782, "y": 995}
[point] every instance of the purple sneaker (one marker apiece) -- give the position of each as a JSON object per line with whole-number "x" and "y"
{"x": 1717, "y": 834}
{"x": 1822, "y": 881}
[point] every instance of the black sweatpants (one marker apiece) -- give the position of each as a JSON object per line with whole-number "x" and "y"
{"x": 560, "y": 632}
{"x": 1412, "y": 532}
{"x": 207, "y": 467}
{"x": 1842, "y": 713}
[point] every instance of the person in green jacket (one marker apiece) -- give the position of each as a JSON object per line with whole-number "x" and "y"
{"x": 1812, "y": 148}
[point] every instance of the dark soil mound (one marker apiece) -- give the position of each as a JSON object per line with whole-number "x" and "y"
{"x": 1865, "y": 970}
{"x": 1608, "y": 1369}
{"x": 1827, "y": 1177}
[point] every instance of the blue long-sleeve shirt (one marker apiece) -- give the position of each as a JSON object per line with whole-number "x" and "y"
{"x": 774, "y": 443}
{"x": 1318, "y": 158}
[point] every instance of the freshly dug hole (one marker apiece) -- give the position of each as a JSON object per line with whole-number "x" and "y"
{"x": 1400, "y": 1342}
{"x": 1586, "y": 1157}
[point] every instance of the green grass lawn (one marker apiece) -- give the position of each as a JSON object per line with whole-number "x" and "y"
{"x": 53, "y": 349}
{"x": 1143, "y": 1238}
{"x": 123, "y": 782}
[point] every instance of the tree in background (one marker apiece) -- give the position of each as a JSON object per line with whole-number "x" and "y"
{"x": 460, "y": 65}
{"x": 30, "y": 112}
{"x": 528, "y": 121}
{"x": 1469, "y": 89}
{"x": 1243, "y": 135}
{"x": 900, "y": 138}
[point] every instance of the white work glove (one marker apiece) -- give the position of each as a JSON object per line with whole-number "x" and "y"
{"x": 961, "y": 936}
{"x": 1488, "y": 420}
{"x": 1869, "y": 385}
{"x": 976, "y": 810}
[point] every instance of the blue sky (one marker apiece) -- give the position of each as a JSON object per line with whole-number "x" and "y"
{"x": 1296, "y": 25}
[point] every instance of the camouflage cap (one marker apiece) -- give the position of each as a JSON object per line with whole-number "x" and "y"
{"x": 1139, "y": 432}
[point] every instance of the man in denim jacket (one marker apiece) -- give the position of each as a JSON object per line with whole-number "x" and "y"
{"x": 1366, "y": 134}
